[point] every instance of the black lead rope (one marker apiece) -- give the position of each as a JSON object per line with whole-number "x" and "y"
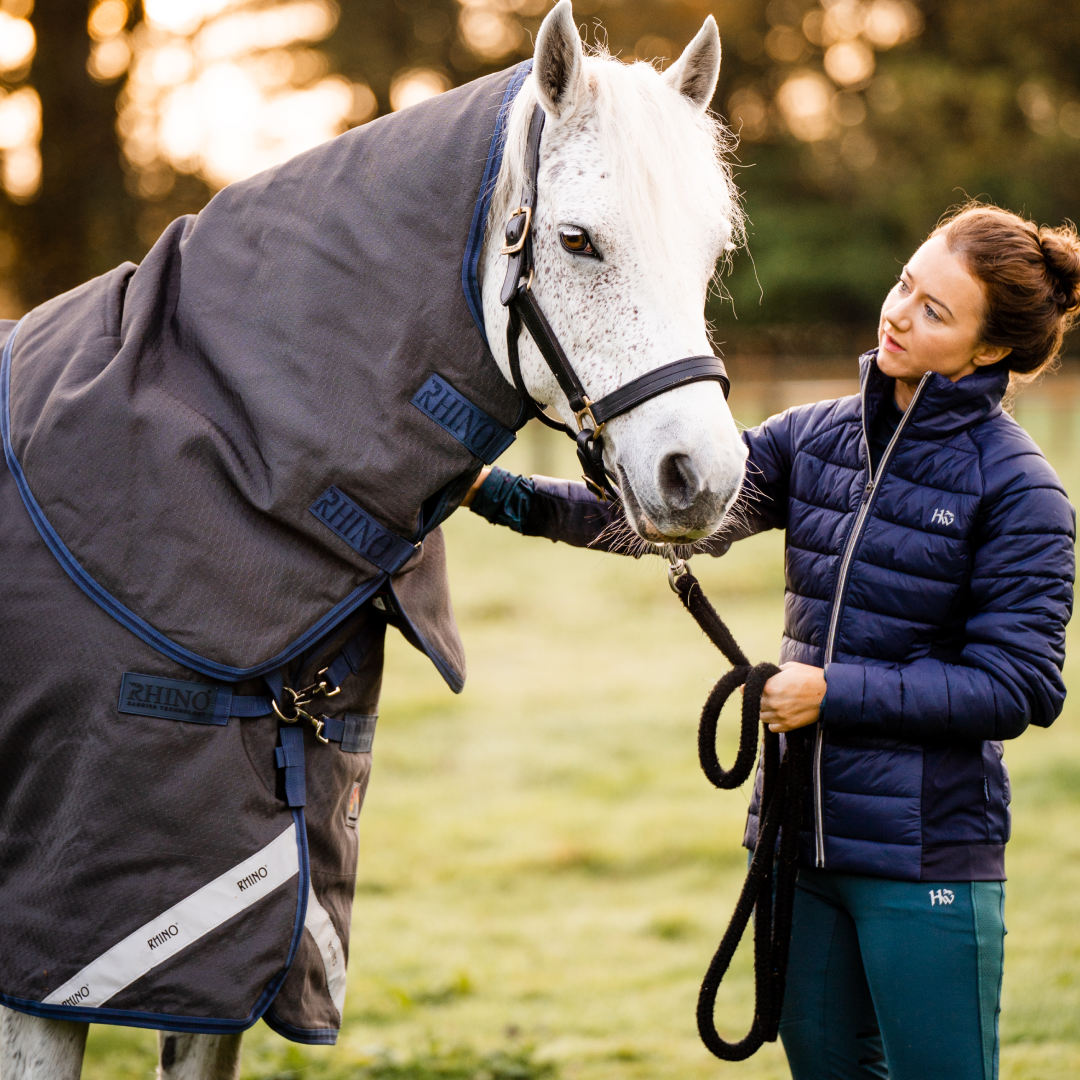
{"x": 783, "y": 773}
{"x": 769, "y": 891}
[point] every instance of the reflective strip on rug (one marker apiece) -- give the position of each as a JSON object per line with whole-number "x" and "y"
{"x": 320, "y": 927}
{"x": 184, "y": 923}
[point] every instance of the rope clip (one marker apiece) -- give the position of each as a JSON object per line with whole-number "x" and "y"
{"x": 298, "y": 699}
{"x": 676, "y": 569}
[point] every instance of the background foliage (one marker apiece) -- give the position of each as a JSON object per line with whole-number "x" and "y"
{"x": 861, "y": 122}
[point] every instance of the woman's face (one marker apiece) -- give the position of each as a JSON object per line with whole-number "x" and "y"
{"x": 932, "y": 319}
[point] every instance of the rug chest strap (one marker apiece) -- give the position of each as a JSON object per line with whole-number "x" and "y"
{"x": 290, "y": 759}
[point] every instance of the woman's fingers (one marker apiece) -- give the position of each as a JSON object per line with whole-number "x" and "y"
{"x": 792, "y": 698}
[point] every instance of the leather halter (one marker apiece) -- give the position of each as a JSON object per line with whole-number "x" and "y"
{"x": 523, "y": 309}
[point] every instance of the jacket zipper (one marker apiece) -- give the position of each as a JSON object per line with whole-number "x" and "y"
{"x": 838, "y": 597}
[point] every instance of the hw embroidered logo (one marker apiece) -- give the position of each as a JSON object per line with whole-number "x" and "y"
{"x": 941, "y": 896}
{"x": 943, "y": 517}
{"x": 174, "y": 699}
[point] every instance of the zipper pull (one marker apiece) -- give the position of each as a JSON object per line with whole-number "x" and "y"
{"x": 868, "y": 491}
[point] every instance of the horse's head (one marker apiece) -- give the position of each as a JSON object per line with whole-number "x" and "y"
{"x": 635, "y": 206}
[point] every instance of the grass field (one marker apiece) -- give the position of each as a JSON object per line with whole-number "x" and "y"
{"x": 545, "y": 871}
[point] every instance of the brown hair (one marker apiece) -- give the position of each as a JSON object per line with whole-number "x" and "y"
{"x": 1031, "y": 278}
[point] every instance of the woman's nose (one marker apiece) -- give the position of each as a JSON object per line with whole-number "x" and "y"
{"x": 897, "y": 315}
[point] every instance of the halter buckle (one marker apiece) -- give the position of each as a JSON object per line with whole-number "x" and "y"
{"x": 580, "y": 415}
{"x": 517, "y": 245}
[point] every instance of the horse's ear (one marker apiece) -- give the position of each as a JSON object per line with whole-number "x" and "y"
{"x": 557, "y": 61}
{"x": 695, "y": 73}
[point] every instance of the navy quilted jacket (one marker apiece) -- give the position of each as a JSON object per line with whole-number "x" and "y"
{"x": 934, "y": 593}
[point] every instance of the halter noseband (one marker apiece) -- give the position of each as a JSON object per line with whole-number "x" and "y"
{"x": 523, "y": 309}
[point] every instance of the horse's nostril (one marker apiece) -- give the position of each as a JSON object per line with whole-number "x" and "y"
{"x": 679, "y": 481}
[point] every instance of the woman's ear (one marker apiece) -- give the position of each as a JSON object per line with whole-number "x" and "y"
{"x": 989, "y": 354}
{"x": 557, "y": 62}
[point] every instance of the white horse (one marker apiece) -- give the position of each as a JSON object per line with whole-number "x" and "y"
{"x": 635, "y": 208}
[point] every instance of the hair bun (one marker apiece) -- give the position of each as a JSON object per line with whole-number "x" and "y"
{"x": 1061, "y": 250}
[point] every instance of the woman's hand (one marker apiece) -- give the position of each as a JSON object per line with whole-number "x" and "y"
{"x": 485, "y": 472}
{"x": 792, "y": 698}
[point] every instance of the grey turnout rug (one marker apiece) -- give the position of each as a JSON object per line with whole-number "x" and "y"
{"x": 226, "y": 471}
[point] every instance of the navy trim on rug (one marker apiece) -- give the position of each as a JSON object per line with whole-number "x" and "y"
{"x": 470, "y": 264}
{"x": 451, "y": 677}
{"x": 197, "y": 1025}
{"x": 123, "y": 615}
{"x": 310, "y": 1036}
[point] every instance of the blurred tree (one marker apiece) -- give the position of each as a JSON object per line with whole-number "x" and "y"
{"x": 81, "y": 221}
{"x": 860, "y": 121}
{"x": 984, "y": 100}
{"x": 398, "y": 38}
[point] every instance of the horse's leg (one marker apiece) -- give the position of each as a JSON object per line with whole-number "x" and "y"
{"x": 197, "y": 1057}
{"x": 32, "y": 1048}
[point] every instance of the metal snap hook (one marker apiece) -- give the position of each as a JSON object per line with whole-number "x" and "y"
{"x": 676, "y": 569}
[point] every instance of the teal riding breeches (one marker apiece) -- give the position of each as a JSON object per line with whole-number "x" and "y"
{"x": 893, "y": 980}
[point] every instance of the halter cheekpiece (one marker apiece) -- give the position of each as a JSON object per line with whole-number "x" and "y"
{"x": 523, "y": 309}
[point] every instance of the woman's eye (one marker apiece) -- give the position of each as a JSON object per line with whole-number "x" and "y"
{"x": 931, "y": 314}
{"x": 577, "y": 241}
{"x": 901, "y": 284}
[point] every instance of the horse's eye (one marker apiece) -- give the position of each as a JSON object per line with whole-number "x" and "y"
{"x": 577, "y": 241}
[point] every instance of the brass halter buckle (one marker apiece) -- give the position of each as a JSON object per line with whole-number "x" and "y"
{"x": 587, "y": 411}
{"x": 519, "y": 243}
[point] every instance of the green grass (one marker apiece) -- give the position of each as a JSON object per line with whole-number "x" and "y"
{"x": 544, "y": 870}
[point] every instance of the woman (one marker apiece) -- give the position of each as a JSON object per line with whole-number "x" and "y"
{"x": 929, "y": 565}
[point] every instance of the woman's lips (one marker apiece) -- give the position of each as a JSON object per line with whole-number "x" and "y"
{"x": 890, "y": 343}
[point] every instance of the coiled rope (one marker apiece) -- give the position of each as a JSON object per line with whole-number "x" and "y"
{"x": 769, "y": 891}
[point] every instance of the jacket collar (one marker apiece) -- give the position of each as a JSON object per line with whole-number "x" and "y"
{"x": 943, "y": 407}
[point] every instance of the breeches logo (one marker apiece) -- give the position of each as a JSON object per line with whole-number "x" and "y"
{"x": 162, "y": 936}
{"x": 941, "y": 896}
{"x": 252, "y": 879}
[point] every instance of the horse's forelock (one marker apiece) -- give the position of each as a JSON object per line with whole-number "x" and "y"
{"x": 670, "y": 159}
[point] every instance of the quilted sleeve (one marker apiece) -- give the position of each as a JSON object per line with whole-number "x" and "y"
{"x": 763, "y": 502}
{"x": 1009, "y": 670}
{"x": 562, "y": 510}
{"x": 568, "y": 512}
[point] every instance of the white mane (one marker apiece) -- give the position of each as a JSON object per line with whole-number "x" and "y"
{"x": 631, "y": 156}
{"x": 669, "y": 158}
